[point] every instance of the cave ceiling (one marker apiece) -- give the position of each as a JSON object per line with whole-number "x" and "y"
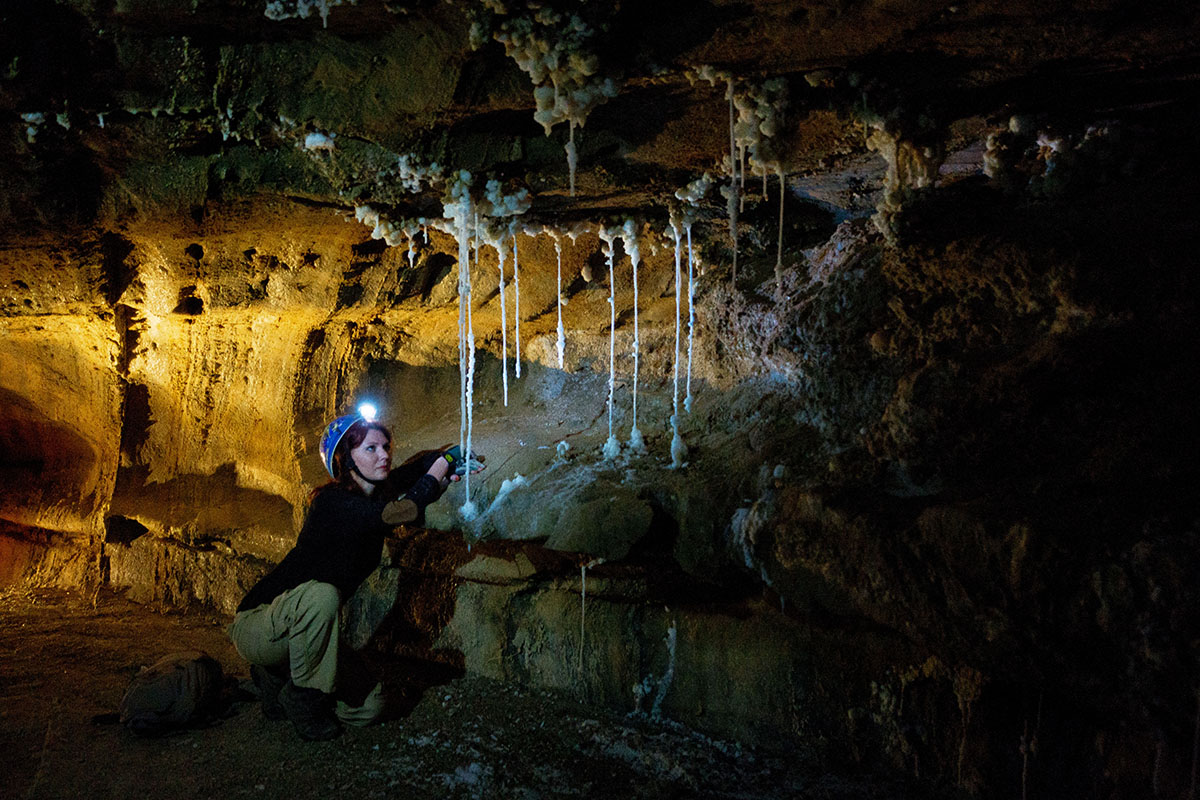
{"x": 165, "y": 112}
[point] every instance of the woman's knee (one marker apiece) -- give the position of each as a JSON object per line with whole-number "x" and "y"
{"x": 252, "y": 635}
{"x": 318, "y": 599}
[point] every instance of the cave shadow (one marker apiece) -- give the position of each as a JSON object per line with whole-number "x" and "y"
{"x": 123, "y": 530}
{"x": 421, "y": 564}
{"x": 210, "y": 504}
{"x": 404, "y": 607}
{"x": 407, "y": 679}
{"x": 668, "y": 583}
{"x": 41, "y": 460}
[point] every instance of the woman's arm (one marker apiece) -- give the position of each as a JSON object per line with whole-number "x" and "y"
{"x": 427, "y": 488}
{"x": 408, "y": 473}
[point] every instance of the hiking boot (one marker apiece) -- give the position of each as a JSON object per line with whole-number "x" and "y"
{"x": 269, "y": 682}
{"x": 311, "y": 712}
{"x": 400, "y": 512}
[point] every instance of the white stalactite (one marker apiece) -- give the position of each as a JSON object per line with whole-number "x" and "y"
{"x": 636, "y": 442}
{"x": 468, "y": 509}
{"x": 582, "y": 614}
{"x": 499, "y": 206}
{"x": 583, "y": 568}
{"x": 687, "y": 400}
{"x": 503, "y": 323}
{"x": 612, "y": 447}
{"x": 742, "y": 178}
{"x": 561, "y": 337}
{"x": 678, "y": 269}
{"x": 517, "y": 309}
{"x": 458, "y": 210}
{"x": 664, "y": 683}
{"x": 691, "y": 195}
{"x": 779, "y": 247}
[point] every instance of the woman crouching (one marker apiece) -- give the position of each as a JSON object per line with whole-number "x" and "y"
{"x": 287, "y": 626}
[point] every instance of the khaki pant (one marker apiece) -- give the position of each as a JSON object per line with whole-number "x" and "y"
{"x": 299, "y": 629}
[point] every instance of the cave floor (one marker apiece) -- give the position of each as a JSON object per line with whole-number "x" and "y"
{"x": 65, "y": 659}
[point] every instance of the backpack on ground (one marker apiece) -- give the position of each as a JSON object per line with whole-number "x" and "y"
{"x": 180, "y": 690}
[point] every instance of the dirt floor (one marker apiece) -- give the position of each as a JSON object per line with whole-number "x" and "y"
{"x": 65, "y": 659}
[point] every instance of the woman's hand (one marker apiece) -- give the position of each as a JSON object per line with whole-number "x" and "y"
{"x": 460, "y": 466}
{"x": 439, "y": 470}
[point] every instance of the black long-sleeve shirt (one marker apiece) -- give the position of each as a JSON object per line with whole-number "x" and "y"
{"x": 342, "y": 537}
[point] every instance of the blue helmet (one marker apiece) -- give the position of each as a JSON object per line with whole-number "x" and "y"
{"x": 337, "y": 429}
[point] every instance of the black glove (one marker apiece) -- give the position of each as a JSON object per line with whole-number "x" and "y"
{"x": 459, "y": 465}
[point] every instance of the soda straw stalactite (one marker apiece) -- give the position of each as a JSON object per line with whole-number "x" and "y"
{"x": 612, "y": 447}
{"x": 503, "y": 322}
{"x": 459, "y": 210}
{"x": 636, "y": 442}
{"x": 687, "y": 400}
{"x": 468, "y": 509}
{"x": 691, "y": 195}
{"x": 561, "y": 343}
{"x": 500, "y": 206}
{"x": 517, "y": 308}
{"x": 779, "y": 246}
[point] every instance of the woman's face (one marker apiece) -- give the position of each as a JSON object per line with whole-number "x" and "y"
{"x": 373, "y": 456}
